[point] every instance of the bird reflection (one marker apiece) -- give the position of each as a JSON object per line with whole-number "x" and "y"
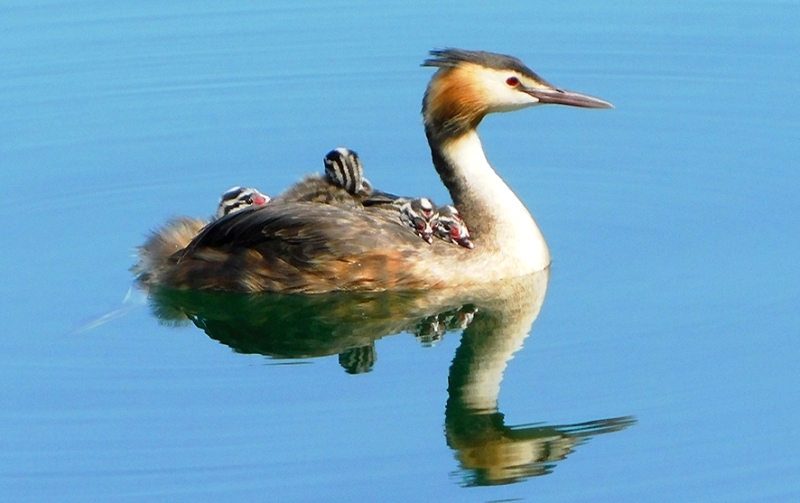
{"x": 494, "y": 319}
{"x": 491, "y": 452}
{"x": 358, "y": 360}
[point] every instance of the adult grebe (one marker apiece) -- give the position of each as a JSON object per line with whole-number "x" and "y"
{"x": 307, "y": 247}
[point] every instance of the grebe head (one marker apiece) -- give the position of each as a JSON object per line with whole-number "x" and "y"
{"x": 471, "y": 84}
{"x": 450, "y": 227}
{"x": 343, "y": 168}
{"x": 419, "y": 214}
{"x": 238, "y": 198}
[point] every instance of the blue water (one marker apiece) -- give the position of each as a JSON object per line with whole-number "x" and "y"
{"x": 672, "y": 221}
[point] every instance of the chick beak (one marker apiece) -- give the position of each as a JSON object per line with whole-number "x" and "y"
{"x": 465, "y": 242}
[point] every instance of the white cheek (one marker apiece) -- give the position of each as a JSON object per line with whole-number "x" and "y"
{"x": 511, "y": 99}
{"x": 504, "y": 98}
{"x": 520, "y": 100}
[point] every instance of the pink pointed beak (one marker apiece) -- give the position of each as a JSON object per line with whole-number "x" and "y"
{"x": 465, "y": 242}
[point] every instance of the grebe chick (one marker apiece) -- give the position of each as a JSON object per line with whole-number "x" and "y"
{"x": 237, "y": 198}
{"x": 342, "y": 184}
{"x": 343, "y": 168}
{"x": 450, "y": 227}
{"x": 178, "y": 232}
{"x": 296, "y": 246}
{"x": 420, "y": 215}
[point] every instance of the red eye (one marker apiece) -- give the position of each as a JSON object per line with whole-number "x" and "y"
{"x": 512, "y": 81}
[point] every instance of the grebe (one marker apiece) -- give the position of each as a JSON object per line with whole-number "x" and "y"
{"x": 342, "y": 184}
{"x": 178, "y": 232}
{"x": 343, "y": 167}
{"x": 290, "y": 246}
{"x": 237, "y": 198}
{"x": 419, "y": 215}
{"x": 450, "y": 227}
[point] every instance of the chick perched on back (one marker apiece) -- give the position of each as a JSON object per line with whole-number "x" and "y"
{"x": 450, "y": 227}
{"x": 419, "y": 214}
{"x": 342, "y": 184}
{"x": 427, "y": 221}
{"x": 178, "y": 232}
{"x": 343, "y": 168}
{"x": 238, "y": 198}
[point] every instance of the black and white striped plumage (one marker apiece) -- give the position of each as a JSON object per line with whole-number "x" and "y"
{"x": 420, "y": 215}
{"x": 342, "y": 185}
{"x": 450, "y": 227}
{"x": 237, "y": 198}
{"x": 358, "y": 360}
{"x": 178, "y": 232}
{"x": 343, "y": 168}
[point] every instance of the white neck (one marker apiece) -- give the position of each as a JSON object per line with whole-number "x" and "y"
{"x": 503, "y": 227}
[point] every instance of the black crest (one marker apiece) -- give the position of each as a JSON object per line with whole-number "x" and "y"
{"x": 450, "y": 58}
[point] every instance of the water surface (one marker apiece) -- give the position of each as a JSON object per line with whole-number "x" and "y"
{"x": 662, "y": 363}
